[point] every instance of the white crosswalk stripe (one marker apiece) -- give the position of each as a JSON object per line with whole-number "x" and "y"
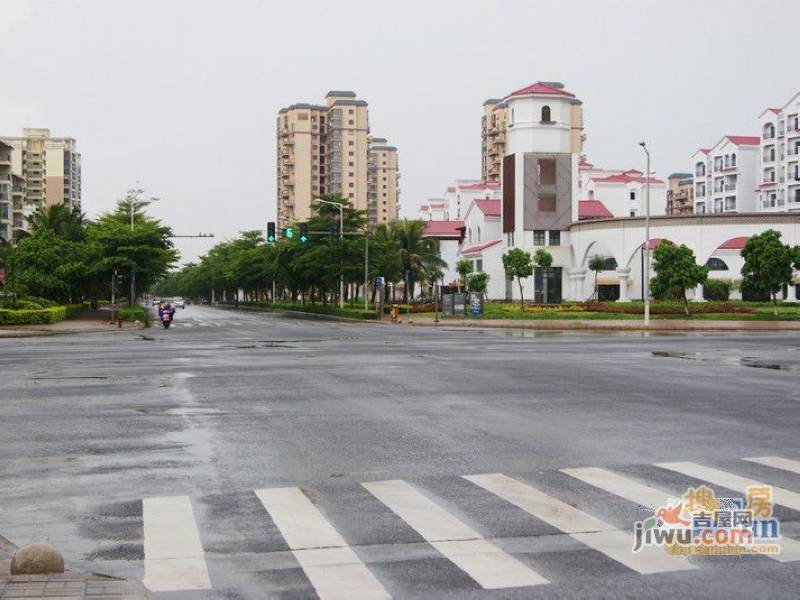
{"x": 174, "y": 559}
{"x": 484, "y": 562}
{"x": 651, "y": 497}
{"x": 731, "y": 481}
{"x": 330, "y": 564}
{"x": 777, "y": 462}
{"x": 598, "y": 535}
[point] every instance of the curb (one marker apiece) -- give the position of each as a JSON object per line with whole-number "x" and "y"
{"x": 621, "y": 326}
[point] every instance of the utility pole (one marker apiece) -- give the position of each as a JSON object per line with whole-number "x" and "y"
{"x": 646, "y": 273}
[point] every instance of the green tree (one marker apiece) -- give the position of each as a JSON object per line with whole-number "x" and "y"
{"x": 464, "y": 268}
{"x": 517, "y": 263}
{"x": 596, "y": 264}
{"x": 542, "y": 258}
{"x": 49, "y": 266}
{"x": 768, "y": 264}
{"x": 419, "y": 255}
{"x": 478, "y": 282}
{"x": 67, "y": 223}
{"x": 146, "y": 250}
{"x": 676, "y": 270}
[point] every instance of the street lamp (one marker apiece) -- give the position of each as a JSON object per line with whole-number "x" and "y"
{"x": 646, "y": 274}
{"x": 341, "y": 240}
{"x": 134, "y": 204}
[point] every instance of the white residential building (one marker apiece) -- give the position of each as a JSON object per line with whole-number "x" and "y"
{"x": 779, "y": 167}
{"x": 725, "y": 176}
{"x": 621, "y": 193}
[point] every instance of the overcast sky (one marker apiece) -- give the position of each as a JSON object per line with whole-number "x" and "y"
{"x": 182, "y": 95}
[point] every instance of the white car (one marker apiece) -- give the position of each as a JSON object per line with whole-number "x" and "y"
{"x": 178, "y": 302}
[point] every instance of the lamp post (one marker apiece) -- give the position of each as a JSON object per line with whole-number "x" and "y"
{"x": 646, "y": 271}
{"x": 341, "y": 240}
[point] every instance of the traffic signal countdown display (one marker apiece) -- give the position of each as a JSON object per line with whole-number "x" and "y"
{"x": 288, "y": 233}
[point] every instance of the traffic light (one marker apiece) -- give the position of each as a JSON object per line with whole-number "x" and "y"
{"x": 288, "y": 233}
{"x": 303, "y": 233}
{"x": 334, "y": 233}
{"x": 271, "y": 232}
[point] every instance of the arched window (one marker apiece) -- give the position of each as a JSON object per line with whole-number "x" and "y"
{"x": 716, "y": 264}
{"x": 479, "y": 235}
{"x": 610, "y": 264}
{"x": 591, "y": 194}
{"x": 469, "y": 235}
{"x": 545, "y": 114}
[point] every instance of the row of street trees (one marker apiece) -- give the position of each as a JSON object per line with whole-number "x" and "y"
{"x": 310, "y": 270}
{"x": 67, "y": 258}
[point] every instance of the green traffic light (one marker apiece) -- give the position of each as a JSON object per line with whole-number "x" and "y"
{"x": 289, "y": 233}
{"x": 303, "y": 239}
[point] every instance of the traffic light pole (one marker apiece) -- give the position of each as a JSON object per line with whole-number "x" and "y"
{"x": 341, "y": 234}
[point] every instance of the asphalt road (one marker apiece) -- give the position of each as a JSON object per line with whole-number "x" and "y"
{"x": 261, "y": 456}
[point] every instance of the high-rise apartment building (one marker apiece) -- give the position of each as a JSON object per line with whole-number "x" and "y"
{"x": 324, "y": 149}
{"x": 494, "y": 131}
{"x": 383, "y": 176}
{"x": 50, "y": 166}
{"x": 493, "y": 139}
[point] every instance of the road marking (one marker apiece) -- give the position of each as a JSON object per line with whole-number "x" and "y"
{"x": 654, "y": 498}
{"x": 488, "y": 565}
{"x": 598, "y": 535}
{"x": 329, "y": 563}
{"x": 777, "y": 462}
{"x": 623, "y": 487}
{"x": 174, "y": 559}
{"x": 731, "y": 481}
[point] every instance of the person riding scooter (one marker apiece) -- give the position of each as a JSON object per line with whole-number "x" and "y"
{"x": 166, "y": 313}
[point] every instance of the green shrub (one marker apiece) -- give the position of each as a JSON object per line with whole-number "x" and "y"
{"x": 40, "y": 316}
{"x": 717, "y": 290}
{"x": 22, "y": 305}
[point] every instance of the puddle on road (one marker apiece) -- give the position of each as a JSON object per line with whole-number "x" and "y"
{"x": 745, "y": 361}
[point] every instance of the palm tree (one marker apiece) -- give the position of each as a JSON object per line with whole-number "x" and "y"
{"x": 419, "y": 254}
{"x": 596, "y": 264}
{"x": 64, "y": 221}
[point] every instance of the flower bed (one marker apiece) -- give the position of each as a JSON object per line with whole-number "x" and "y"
{"x": 637, "y": 308}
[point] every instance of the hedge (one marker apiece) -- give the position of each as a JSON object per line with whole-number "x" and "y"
{"x": 41, "y": 316}
{"x": 319, "y": 309}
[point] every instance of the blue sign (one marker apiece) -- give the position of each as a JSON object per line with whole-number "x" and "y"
{"x": 379, "y": 281}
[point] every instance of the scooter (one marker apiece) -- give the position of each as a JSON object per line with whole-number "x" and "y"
{"x": 166, "y": 319}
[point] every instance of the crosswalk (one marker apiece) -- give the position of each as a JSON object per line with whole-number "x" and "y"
{"x": 175, "y": 559}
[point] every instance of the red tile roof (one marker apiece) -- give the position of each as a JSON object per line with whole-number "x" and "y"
{"x": 624, "y": 178}
{"x": 444, "y": 229}
{"x": 777, "y": 111}
{"x": 479, "y": 247}
{"x": 654, "y": 242}
{"x": 592, "y": 209}
{"x": 490, "y": 185}
{"x": 705, "y": 150}
{"x": 744, "y": 140}
{"x": 736, "y": 243}
{"x": 490, "y": 208}
{"x": 541, "y": 87}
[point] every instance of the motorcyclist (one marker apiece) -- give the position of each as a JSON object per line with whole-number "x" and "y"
{"x": 166, "y": 308}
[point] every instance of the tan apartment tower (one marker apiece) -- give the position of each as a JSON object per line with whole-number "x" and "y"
{"x": 383, "y": 175}
{"x": 494, "y": 130}
{"x": 50, "y": 166}
{"x": 322, "y": 149}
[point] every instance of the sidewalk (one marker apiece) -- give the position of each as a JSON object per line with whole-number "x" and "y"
{"x": 607, "y": 324}
{"x": 89, "y": 322}
{"x": 66, "y": 586}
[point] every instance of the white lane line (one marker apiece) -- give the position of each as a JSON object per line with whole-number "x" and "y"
{"x": 651, "y": 497}
{"x": 174, "y": 559}
{"x": 598, "y": 535}
{"x": 777, "y": 462}
{"x": 623, "y": 487}
{"x": 488, "y": 565}
{"x": 330, "y": 564}
{"x": 731, "y": 481}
